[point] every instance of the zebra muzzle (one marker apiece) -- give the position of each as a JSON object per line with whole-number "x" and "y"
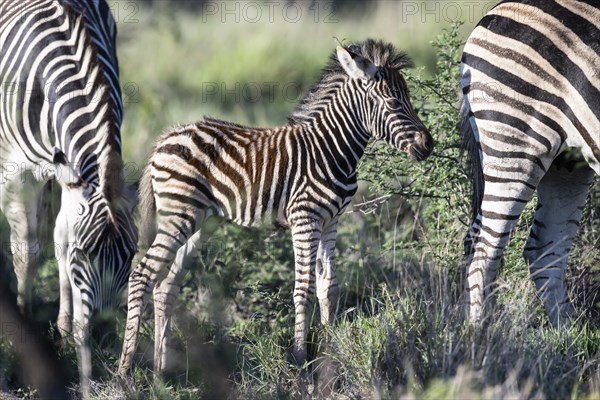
{"x": 422, "y": 147}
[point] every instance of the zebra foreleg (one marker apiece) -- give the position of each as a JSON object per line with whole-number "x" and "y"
{"x": 327, "y": 286}
{"x": 328, "y": 295}
{"x": 81, "y": 332}
{"x": 165, "y": 293}
{"x": 562, "y": 195}
{"x": 20, "y": 205}
{"x": 306, "y": 239}
{"x": 65, "y": 311}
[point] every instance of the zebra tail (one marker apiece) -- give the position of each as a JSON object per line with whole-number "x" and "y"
{"x": 147, "y": 208}
{"x": 471, "y": 146}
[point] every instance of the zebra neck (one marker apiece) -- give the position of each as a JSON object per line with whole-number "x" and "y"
{"x": 79, "y": 112}
{"x": 98, "y": 165}
{"x": 337, "y": 130}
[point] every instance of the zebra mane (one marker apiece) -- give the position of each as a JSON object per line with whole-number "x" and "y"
{"x": 102, "y": 30}
{"x": 380, "y": 53}
{"x": 109, "y": 162}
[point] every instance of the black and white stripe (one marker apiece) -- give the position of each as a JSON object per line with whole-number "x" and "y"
{"x": 532, "y": 117}
{"x": 60, "y": 117}
{"x": 299, "y": 176}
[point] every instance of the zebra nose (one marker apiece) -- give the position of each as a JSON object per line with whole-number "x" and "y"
{"x": 422, "y": 146}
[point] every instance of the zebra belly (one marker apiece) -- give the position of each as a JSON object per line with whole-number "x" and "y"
{"x": 258, "y": 207}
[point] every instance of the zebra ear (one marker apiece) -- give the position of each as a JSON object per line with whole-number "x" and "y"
{"x": 59, "y": 158}
{"x": 64, "y": 172}
{"x": 130, "y": 193}
{"x": 356, "y": 67}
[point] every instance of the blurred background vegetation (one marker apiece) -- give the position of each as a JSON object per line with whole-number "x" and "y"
{"x": 251, "y": 61}
{"x": 401, "y": 330}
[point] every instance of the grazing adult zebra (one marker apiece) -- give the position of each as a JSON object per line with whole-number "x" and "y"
{"x": 299, "y": 176}
{"x": 532, "y": 115}
{"x": 60, "y": 117}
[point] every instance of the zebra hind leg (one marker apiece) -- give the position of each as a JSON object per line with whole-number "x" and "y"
{"x": 562, "y": 195}
{"x": 505, "y": 196}
{"x": 164, "y": 295}
{"x": 173, "y": 232}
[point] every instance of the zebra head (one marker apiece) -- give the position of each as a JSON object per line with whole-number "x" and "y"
{"x": 382, "y": 97}
{"x": 102, "y": 237}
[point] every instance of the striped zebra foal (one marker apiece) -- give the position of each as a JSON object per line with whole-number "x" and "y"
{"x": 532, "y": 119}
{"x": 299, "y": 176}
{"x": 60, "y": 117}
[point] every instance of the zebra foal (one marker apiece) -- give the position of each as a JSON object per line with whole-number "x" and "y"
{"x": 532, "y": 117}
{"x": 299, "y": 176}
{"x": 60, "y": 118}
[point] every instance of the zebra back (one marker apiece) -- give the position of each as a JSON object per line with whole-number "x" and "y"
{"x": 529, "y": 78}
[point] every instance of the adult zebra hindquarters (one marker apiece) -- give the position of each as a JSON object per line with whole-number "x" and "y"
{"x": 299, "y": 176}
{"x": 531, "y": 96}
